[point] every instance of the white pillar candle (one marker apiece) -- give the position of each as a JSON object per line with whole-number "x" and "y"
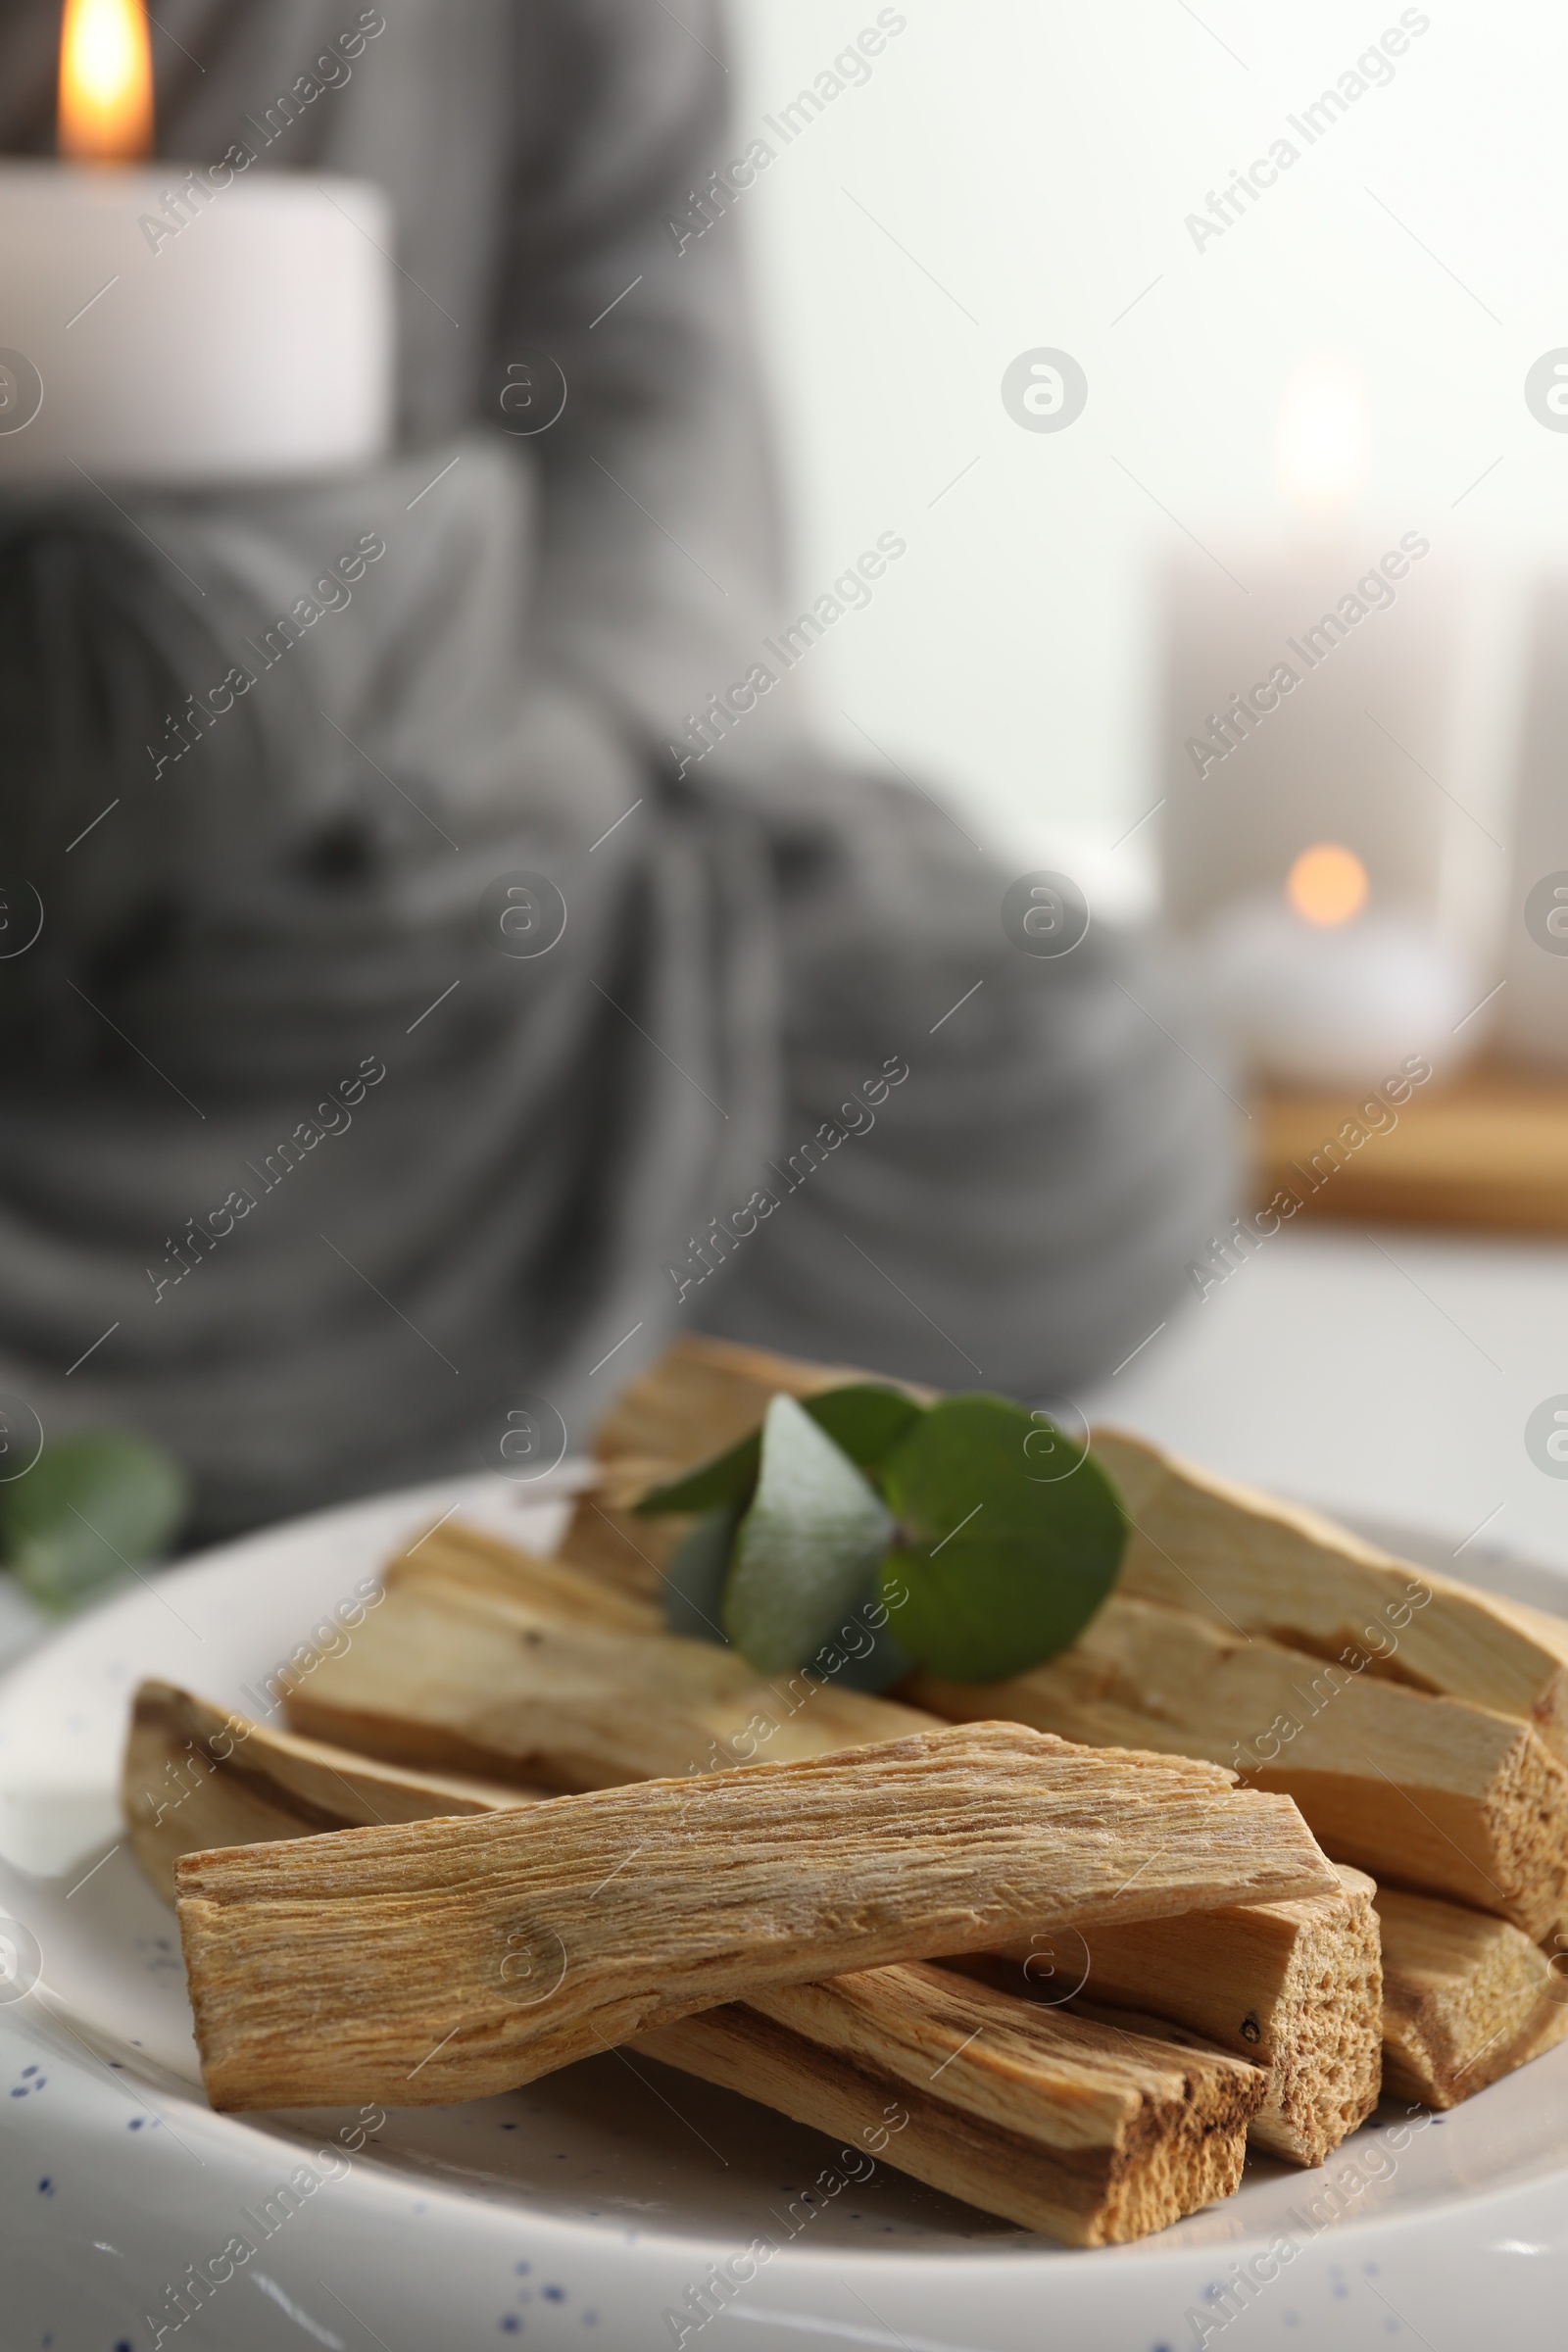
{"x": 1312, "y": 712}
{"x": 1321, "y": 711}
{"x": 181, "y": 326}
{"x": 1315, "y": 700}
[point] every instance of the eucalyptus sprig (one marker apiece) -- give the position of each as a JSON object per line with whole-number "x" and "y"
{"x": 862, "y": 1501}
{"x": 90, "y": 1509}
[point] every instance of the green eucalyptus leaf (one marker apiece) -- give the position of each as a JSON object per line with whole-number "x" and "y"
{"x": 726, "y": 1480}
{"x": 864, "y": 1420}
{"x": 90, "y": 1508}
{"x": 1002, "y": 1570}
{"x": 860, "y": 1653}
{"x": 806, "y": 1548}
{"x": 695, "y": 1577}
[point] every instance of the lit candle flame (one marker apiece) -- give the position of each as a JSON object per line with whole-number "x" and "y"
{"x": 105, "y": 81}
{"x": 1328, "y": 884}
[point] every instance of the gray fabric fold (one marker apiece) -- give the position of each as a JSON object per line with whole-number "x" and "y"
{"x": 507, "y": 1176}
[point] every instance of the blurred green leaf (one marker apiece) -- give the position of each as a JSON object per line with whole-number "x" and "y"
{"x": 694, "y": 1578}
{"x": 1002, "y": 1570}
{"x": 90, "y": 1508}
{"x": 864, "y": 1420}
{"x": 727, "y": 1479}
{"x": 860, "y": 1654}
{"x": 807, "y": 1547}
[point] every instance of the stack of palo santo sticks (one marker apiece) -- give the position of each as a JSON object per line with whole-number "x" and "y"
{"x": 1061, "y": 1947}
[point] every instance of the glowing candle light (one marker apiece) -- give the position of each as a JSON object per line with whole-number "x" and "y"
{"x": 106, "y": 82}
{"x": 1327, "y": 884}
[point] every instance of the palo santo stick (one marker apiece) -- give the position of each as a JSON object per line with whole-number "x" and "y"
{"x": 607, "y": 1542}
{"x": 1246, "y": 1560}
{"x": 448, "y": 1676}
{"x": 1429, "y": 1792}
{"x": 1046, "y": 2126}
{"x": 1325, "y": 2074}
{"x": 1299, "y": 1976}
{"x": 1294, "y": 1986}
{"x": 1091, "y": 2136}
{"x": 457, "y": 1553}
{"x": 1198, "y": 1541}
{"x": 445, "y": 1960}
{"x": 198, "y": 1776}
{"x": 1466, "y": 1999}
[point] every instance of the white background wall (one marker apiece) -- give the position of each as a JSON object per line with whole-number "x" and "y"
{"x": 1037, "y": 160}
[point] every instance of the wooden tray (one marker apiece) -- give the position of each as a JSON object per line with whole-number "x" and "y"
{"x": 1489, "y": 1150}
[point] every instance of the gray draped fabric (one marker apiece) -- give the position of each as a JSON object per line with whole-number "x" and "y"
{"x": 485, "y": 1197}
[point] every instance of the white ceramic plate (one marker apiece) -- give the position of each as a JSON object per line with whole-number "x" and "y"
{"x": 585, "y": 2210}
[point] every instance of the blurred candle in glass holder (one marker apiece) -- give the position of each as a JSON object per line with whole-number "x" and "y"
{"x": 1309, "y": 729}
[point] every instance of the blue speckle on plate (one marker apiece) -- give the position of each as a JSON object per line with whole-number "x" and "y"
{"x": 510, "y": 2324}
{"x": 553, "y": 2294}
{"x": 46, "y": 2187}
{"x": 136, "y": 2124}
{"x": 522, "y": 2269}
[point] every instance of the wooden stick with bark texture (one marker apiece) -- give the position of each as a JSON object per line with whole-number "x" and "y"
{"x": 1433, "y": 1793}
{"x": 1311, "y": 1978}
{"x": 1198, "y": 1543}
{"x": 197, "y": 1776}
{"x": 453, "y": 1674}
{"x": 1485, "y": 1822}
{"x": 1294, "y": 1986}
{"x": 1466, "y": 1999}
{"x": 444, "y": 1960}
{"x": 1092, "y": 2135}
{"x": 1250, "y": 1563}
{"x": 1050, "y": 2122}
